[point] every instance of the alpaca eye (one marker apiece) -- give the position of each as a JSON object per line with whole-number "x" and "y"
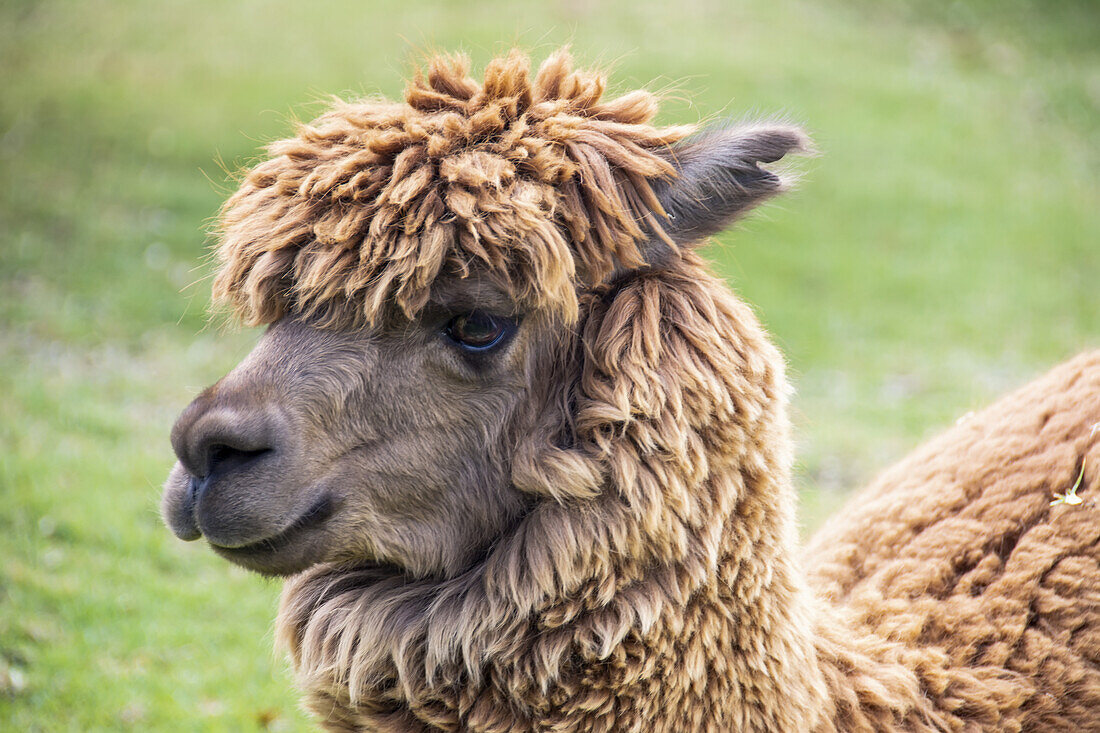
{"x": 477, "y": 331}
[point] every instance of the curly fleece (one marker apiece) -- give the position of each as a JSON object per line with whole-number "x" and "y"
{"x": 541, "y": 182}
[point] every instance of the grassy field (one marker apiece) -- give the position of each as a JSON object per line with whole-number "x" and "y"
{"x": 941, "y": 250}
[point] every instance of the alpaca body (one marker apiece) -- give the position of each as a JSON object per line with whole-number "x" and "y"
{"x": 525, "y": 460}
{"x": 958, "y": 556}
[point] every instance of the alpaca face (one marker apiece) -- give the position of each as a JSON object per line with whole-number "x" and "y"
{"x": 423, "y": 269}
{"x": 390, "y": 444}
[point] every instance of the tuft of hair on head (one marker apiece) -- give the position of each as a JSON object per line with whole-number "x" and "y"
{"x": 540, "y": 182}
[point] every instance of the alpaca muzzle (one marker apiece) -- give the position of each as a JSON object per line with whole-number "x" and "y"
{"x": 234, "y": 485}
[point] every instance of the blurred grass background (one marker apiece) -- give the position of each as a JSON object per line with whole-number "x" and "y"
{"x": 942, "y": 250}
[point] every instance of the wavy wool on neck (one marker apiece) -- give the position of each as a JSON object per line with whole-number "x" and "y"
{"x": 525, "y": 460}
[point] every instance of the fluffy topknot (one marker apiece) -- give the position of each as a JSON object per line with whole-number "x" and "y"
{"x": 539, "y": 182}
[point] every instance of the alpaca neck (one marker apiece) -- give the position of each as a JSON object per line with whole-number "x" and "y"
{"x": 734, "y": 639}
{"x": 709, "y": 626}
{"x": 738, "y": 653}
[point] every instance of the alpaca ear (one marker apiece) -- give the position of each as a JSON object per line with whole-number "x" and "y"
{"x": 720, "y": 177}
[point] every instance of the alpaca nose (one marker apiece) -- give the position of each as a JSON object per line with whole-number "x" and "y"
{"x": 215, "y": 439}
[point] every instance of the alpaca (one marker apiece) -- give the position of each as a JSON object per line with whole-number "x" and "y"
{"x": 525, "y": 460}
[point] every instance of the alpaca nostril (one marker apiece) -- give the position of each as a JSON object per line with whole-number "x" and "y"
{"x": 222, "y": 458}
{"x": 220, "y": 439}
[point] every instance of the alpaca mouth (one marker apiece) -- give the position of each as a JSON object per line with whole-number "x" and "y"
{"x": 265, "y": 555}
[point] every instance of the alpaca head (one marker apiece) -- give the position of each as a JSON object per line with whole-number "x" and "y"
{"x": 428, "y": 271}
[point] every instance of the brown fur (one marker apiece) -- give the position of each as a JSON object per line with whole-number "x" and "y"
{"x": 615, "y": 547}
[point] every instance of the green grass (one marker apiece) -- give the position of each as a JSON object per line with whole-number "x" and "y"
{"x": 942, "y": 249}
